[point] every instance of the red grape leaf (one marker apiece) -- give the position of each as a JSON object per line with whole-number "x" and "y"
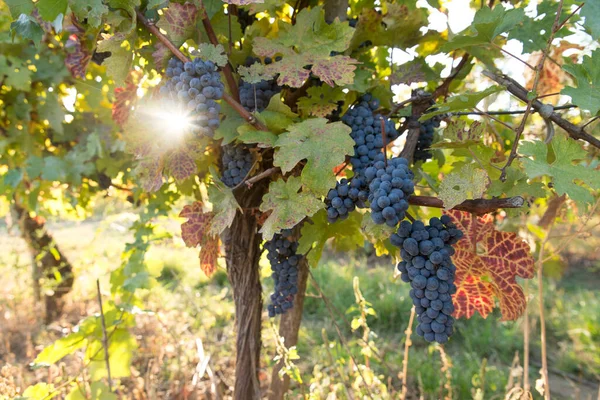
{"x": 181, "y": 164}
{"x": 194, "y": 233}
{"x": 472, "y": 295}
{"x": 179, "y": 21}
{"x": 78, "y": 57}
{"x": 125, "y": 98}
{"x": 150, "y": 171}
{"x": 161, "y": 55}
{"x": 488, "y": 262}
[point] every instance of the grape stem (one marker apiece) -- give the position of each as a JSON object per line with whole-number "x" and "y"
{"x": 445, "y": 86}
{"x": 476, "y": 206}
{"x": 179, "y": 54}
{"x": 383, "y": 138}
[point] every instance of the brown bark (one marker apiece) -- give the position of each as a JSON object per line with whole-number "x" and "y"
{"x": 242, "y": 244}
{"x": 336, "y": 9}
{"x": 49, "y": 262}
{"x": 289, "y": 325}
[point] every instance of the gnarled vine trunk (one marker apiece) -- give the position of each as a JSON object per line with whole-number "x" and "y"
{"x": 289, "y": 325}
{"x": 242, "y": 245}
{"x": 48, "y": 263}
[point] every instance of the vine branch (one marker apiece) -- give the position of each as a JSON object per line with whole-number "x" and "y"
{"x": 104, "y": 336}
{"x": 445, "y": 86}
{"x": 574, "y": 131}
{"x": 179, "y": 54}
{"x": 476, "y": 206}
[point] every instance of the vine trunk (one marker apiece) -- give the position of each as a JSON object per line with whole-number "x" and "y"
{"x": 48, "y": 263}
{"x": 242, "y": 245}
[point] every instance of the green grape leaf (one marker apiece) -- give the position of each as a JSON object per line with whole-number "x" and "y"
{"x": 561, "y": 167}
{"x": 309, "y": 42}
{"x": 98, "y": 391}
{"x": 288, "y": 206}
{"x": 276, "y": 122}
{"x": 91, "y": 10}
{"x": 346, "y": 235}
{"x": 55, "y": 169}
{"x": 216, "y": 54}
{"x": 18, "y": 7}
{"x": 61, "y": 348}
{"x": 152, "y": 4}
{"x": 486, "y": 26}
{"x": 591, "y": 12}
{"x": 119, "y": 63}
{"x": 50, "y": 9}
{"x": 27, "y": 27}
{"x": 277, "y": 105}
{"x": 224, "y": 205}
{"x": 17, "y": 74}
{"x": 231, "y": 121}
{"x": 52, "y": 111}
{"x": 179, "y": 21}
{"x": 458, "y": 186}
{"x": 321, "y": 101}
{"x": 40, "y": 390}
{"x": 181, "y": 164}
{"x": 150, "y": 173}
{"x": 460, "y": 136}
{"x": 263, "y": 139}
{"x": 400, "y": 26}
{"x": 534, "y": 32}
{"x": 323, "y": 145}
{"x": 378, "y": 235}
{"x": 464, "y": 101}
{"x": 121, "y": 347}
{"x": 516, "y": 184}
{"x": 587, "y": 77}
{"x": 253, "y": 74}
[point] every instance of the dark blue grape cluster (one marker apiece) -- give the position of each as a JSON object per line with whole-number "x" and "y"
{"x": 423, "y": 152}
{"x": 281, "y": 252}
{"x": 196, "y": 85}
{"x": 427, "y": 265}
{"x": 345, "y": 198}
{"x": 366, "y": 132}
{"x": 390, "y": 185}
{"x": 256, "y": 97}
{"x": 237, "y": 163}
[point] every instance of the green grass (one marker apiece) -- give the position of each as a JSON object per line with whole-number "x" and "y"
{"x": 192, "y": 306}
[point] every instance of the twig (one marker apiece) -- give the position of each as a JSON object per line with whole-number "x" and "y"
{"x": 477, "y": 206}
{"x": 402, "y": 104}
{"x": 383, "y": 138}
{"x": 177, "y": 53}
{"x": 227, "y": 70}
{"x": 574, "y": 131}
{"x": 484, "y": 113}
{"x": 445, "y": 86}
{"x": 264, "y": 174}
{"x": 410, "y": 217}
{"x": 104, "y": 336}
{"x": 543, "y": 323}
{"x": 513, "y": 56}
{"x": 538, "y": 69}
{"x": 569, "y": 17}
{"x": 414, "y": 127}
{"x": 407, "y": 345}
{"x": 526, "y": 344}
{"x": 508, "y": 112}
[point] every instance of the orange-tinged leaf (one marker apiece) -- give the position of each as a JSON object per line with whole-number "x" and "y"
{"x": 194, "y": 233}
{"x": 472, "y": 295}
{"x": 197, "y": 226}
{"x": 488, "y": 262}
{"x": 209, "y": 254}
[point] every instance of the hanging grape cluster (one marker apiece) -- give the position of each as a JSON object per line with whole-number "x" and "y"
{"x": 195, "y": 86}
{"x": 237, "y": 162}
{"x": 390, "y": 185}
{"x": 366, "y": 125}
{"x": 426, "y": 136}
{"x": 426, "y": 264}
{"x": 281, "y": 253}
{"x": 256, "y": 97}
